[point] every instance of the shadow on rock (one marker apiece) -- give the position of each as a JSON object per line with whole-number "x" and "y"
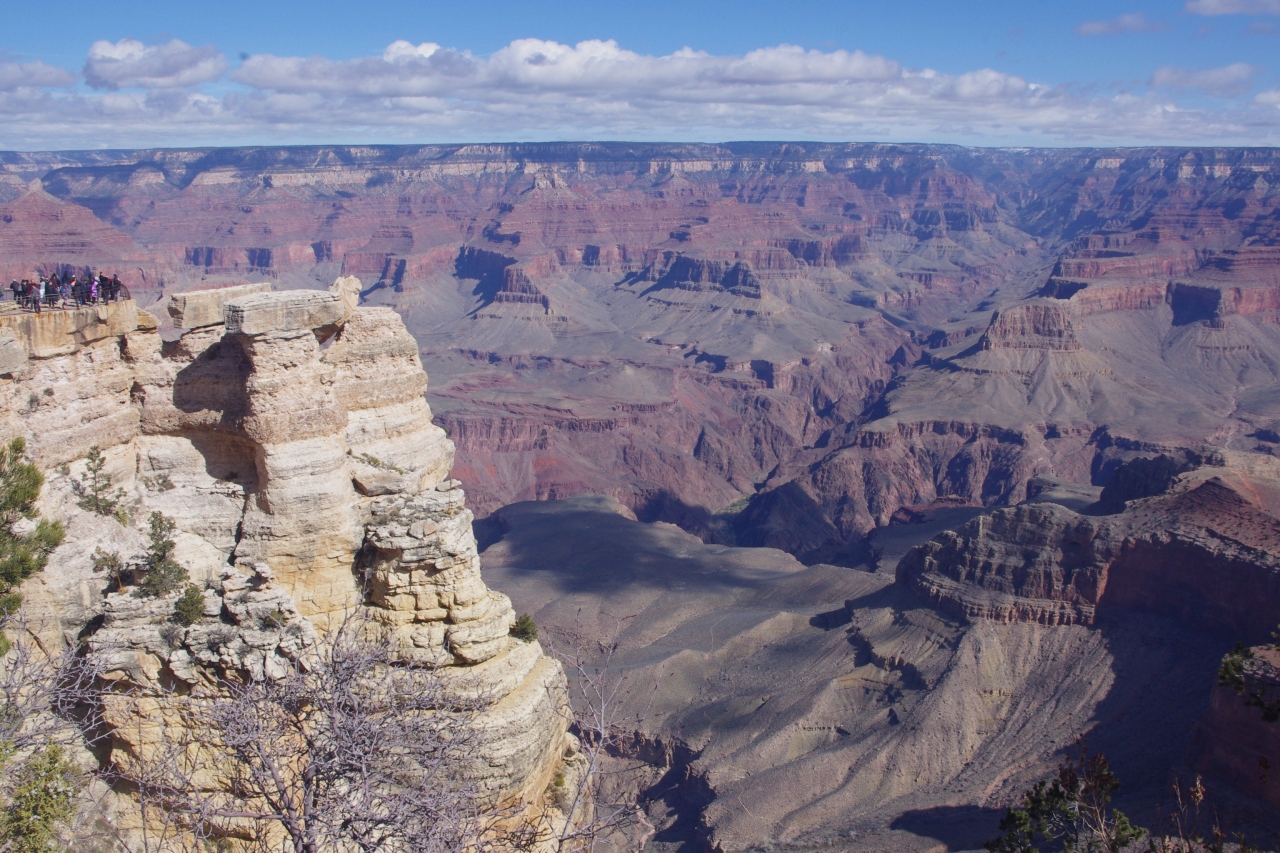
{"x": 958, "y": 827}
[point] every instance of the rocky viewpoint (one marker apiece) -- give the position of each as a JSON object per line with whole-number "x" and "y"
{"x": 304, "y": 482}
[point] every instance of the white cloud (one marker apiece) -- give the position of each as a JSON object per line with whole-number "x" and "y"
{"x": 1233, "y": 7}
{"x": 536, "y": 89}
{"x": 130, "y": 63}
{"x": 1227, "y": 81}
{"x": 1133, "y": 22}
{"x": 15, "y": 75}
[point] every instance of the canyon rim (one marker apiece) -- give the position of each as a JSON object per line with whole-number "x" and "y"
{"x": 891, "y": 470}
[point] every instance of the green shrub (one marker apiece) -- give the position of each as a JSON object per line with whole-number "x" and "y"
{"x": 21, "y": 556}
{"x": 1231, "y": 674}
{"x": 164, "y": 574}
{"x": 41, "y": 802}
{"x": 190, "y": 607}
{"x": 1071, "y": 812}
{"x": 274, "y": 620}
{"x": 525, "y": 629}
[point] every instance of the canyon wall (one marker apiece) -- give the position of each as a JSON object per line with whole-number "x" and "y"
{"x": 287, "y": 436}
{"x": 1197, "y": 544}
{"x": 802, "y": 337}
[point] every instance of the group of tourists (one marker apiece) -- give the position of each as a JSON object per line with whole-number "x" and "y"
{"x": 66, "y": 291}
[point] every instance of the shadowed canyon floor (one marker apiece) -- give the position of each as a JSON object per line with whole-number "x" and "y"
{"x": 790, "y": 707}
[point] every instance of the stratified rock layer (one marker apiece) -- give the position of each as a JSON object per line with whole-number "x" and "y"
{"x": 829, "y": 332}
{"x": 1207, "y": 552}
{"x": 305, "y": 481}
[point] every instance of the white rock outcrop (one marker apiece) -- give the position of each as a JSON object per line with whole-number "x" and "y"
{"x": 287, "y": 436}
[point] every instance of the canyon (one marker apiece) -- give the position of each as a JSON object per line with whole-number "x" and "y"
{"x": 743, "y": 339}
{"x": 894, "y": 469}
{"x": 903, "y": 704}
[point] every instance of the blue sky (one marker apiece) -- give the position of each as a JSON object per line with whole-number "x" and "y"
{"x": 135, "y": 74}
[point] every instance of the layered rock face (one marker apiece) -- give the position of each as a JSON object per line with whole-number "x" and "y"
{"x": 287, "y": 436}
{"x": 824, "y": 707}
{"x": 830, "y": 331}
{"x": 1207, "y": 552}
{"x": 1204, "y": 553}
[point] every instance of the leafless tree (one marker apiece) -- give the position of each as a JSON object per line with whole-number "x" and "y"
{"x": 42, "y": 690}
{"x": 606, "y": 714}
{"x": 355, "y": 750}
{"x": 48, "y": 711}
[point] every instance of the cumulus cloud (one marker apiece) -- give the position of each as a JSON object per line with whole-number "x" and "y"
{"x": 129, "y": 63}
{"x": 407, "y": 70}
{"x": 1233, "y": 7}
{"x": 14, "y": 75}
{"x": 1133, "y": 22}
{"x": 537, "y": 89}
{"x": 1227, "y": 81}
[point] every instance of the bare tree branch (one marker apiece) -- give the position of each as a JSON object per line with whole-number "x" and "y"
{"x": 602, "y": 720}
{"x": 350, "y": 749}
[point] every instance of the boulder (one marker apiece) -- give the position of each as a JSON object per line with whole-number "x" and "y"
{"x": 198, "y": 308}
{"x": 276, "y": 313}
{"x": 347, "y": 288}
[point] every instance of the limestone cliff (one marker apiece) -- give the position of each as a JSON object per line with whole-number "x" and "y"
{"x": 288, "y": 437}
{"x": 1204, "y": 552}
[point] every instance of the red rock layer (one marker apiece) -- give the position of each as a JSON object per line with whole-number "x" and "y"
{"x": 1206, "y": 556}
{"x": 777, "y": 297}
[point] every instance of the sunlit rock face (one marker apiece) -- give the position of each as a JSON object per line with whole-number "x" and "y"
{"x": 291, "y": 444}
{"x": 830, "y": 332}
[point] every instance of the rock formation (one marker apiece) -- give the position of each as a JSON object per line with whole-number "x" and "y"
{"x": 1206, "y": 552}
{"x": 1237, "y": 740}
{"x": 287, "y": 436}
{"x": 826, "y": 707}
{"x": 826, "y": 332}
{"x": 800, "y": 346}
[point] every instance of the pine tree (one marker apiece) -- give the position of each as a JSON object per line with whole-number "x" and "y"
{"x": 96, "y": 494}
{"x": 190, "y": 607}
{"x": 1072, "y": 811}
{"x": 164, "y": 574}
{"x": 21, "y": 555}
{"x": 525, "y": 629}
{"x": 40, "y": 803}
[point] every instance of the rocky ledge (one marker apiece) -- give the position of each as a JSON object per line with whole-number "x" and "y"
{"x": 1239, "y": 738}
